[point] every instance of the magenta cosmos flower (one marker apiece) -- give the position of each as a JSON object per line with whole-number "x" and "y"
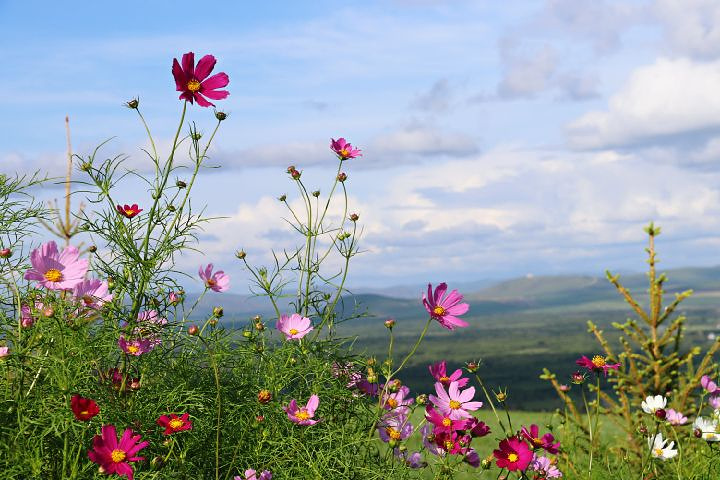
{"x": 93, "y": 293}
{"x": 343, "y": 149}
{"x": 439, "y": 372}
{"x": 394, "y": 427}
{"x": 136, "y": 346}
{"x": 251, "y": 474}
{"x": 454, "y": 403}
{"x": 597, "y": 364}
{"x": 114, "y": 457}
{"x": 443, "y": 423}
{"x": 294, "y": 326}
{"x": 445, "y": 310}
{"x": 545, "y": 442}
{"x": 193, "y": 80}
{"x": 303, "y": 415}
{"x": 56, "y": 271}
{"x": 398, "y": 401}
{"x": 513, "y": 454}
{"x": 217, "y": 282}
{"x": 173, "y": 424}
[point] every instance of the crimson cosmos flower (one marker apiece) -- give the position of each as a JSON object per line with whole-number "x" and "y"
{"x": 83, "y": 408}
{"x": 114, "y": 456}
{"x": 194, "y": 83}
{"x": 513, "y": 454}
{"x": 173, "y": 424}
{"x": 128, "y": 211}
{"x": 597, "y": 364}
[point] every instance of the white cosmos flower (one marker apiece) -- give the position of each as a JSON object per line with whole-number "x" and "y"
{"x": 653, "y": 404}
{"x": 659, "y": 449}
{"x": 708, "y": 428}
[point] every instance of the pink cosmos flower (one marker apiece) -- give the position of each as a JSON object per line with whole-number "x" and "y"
{"x": 597, "y": 364}
{"x": 26, "y": 318}
{"x": 513, "y": 454}
{"x": 173, "y": 424}
{"x": 217, "y": 282}
{"x": 709, "y": 386}
{"x": 454, "y": 403}
{"x": 303, "y": 415}
{"x": 93, "y": 293}
{"x": 454, "y": 443}
{"x": 294, "y": 326}
{"x": 394, "y": 427}
{"x": 545, "y": 442}
{"x": 343, "y": 149}
{"x": 412, "y": 460}
{"x": 398, "y": 400}
{"x": 251, "y": 474}
{"x": 674, "y": 417}
{"x": 4, "y": 351}
{"x": 369, "y": 389}
{"x": 128, "y": 211}
{"x": 445, "y": 310}
{"x": 714, "y": 400}
{"x": 114, "y": 457}
{"x": 545, "y": 467}
{"x": 443, "y": 423}
{"x": 439, "y": 372}
{"x": 428, "y": 439}
{"x": 174, "y": 298}
{"x": 56, "y": 271}
{"x": 136, "y": 346}
{"x": 193, "y": 80}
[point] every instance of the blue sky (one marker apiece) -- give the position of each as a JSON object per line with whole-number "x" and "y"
{"x": 500, "y": 138}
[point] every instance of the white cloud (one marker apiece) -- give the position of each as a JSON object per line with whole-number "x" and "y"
{"x": 692, "y": 27}
{"x": 664, "y": 99}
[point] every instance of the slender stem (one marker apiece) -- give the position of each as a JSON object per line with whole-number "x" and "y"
{"x": 590, "y": 430}
{"x": 492, "y": 405}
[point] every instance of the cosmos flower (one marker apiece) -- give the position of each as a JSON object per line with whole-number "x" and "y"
{"x": 343, "y": 149}
{"x": 439, "y": 372}
{"x": 93, "y": 293}
{"x": 136, "y": 346}
{"x": 294, "y": 326}
{"x": 56, "y": 271}
{"x": 659, "y": 448}
{"x": 303, "y": 415}
{"x": 513, "y": 454}
{"x": 652, "y": 404}
{"x": 707, "y": 429}
{"x": 4, "y": 351}
{"x": 445, "y": 309}
{"x": 114, "y": 457}
{"x": 251, "y": 474}
{"x": 217, "y": 282}
{"x": 545, "y": 468}
{"x": 193, "y": 81}
{"x": 545, "y": 442}
{"x": 394, "y": 427}
{"x": 443, "y": 422}
{"x": 454, "y": 403}
{"x": 675, "y": 418}
{"x": 83, "y": 408}
{"x": 173, "y": 424}
{"x": 597, "y": 364}
{"x": 397, "y": 400}
{"x": 128, "y": 211}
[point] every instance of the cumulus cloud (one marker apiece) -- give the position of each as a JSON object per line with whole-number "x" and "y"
{"x": 526, "y": 73}
{"x": 668, "y": 98}
{"x": 692, "y": 27}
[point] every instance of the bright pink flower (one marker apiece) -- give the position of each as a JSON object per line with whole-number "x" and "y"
{"x": 193, "y": 80}
{"x": 114, "y": 457}
{"x": 439, "y": 372}
{"x": 128, "y": 211}
{"x": 397, "y": 400}
{"x": 303, "y": 415}
{"x": 137, "y": 346}
{"x": 369, "y": 389}
{"x": 455, "y": 443}
{"x": 714, "y": 400}
{"x": 597, "y": 364}
{"x": 545, "y": 442}
{"x": 674, "y": 417}
{"x": 217, "y": 282}
{"x": 4, "y": 351}
{"x": 443, "y": 423}
{"x": 343, "y": 149}
{"x": 83, "y": 408}
{"x": 709, "y": 385}
{"x": 173, "y": 424}
{"x": 251, "y": 474}
{"x": 394, "y": 427}
{"x": 445, "y": 310}
{"x": 545, "y": 468}
{"x": 174, "y": 298}
{"x": 294, "y": 326}
{"x": 93, "y": 293}
{"x": 56, "y": 271}
{"x": 454, "y": 403}
{"x": 26, "y": 318}
{"x": 513, "y": 454}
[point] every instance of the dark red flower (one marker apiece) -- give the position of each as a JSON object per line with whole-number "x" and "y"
{"x": 193, "y": 80}
{"x": 174, "y": 424}
{"x": 83, "y": 408}
{"x": 128, "y": 211}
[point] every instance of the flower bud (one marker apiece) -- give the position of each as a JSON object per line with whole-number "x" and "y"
{"x": 85, "y": 166}
{"x": 293, "y": 360}
{"x": 660, "y": 414}
{"x": 218, "y": 312}
{"x": 642, "y": 430}
{"x": 240, "y": 254}
{"x": 564, "y": 388}
{"x": 220, "y": 116}
{"x": 501, "y": 396}
{"x": 48, "y": 312}
{"x": 264, "y": 396}
{"x": 213, "y": 321}
{"x": 180, "y": 184}
{"x": 92, "y": 249}
{"x": 372, "y": 378}
{"x": 259, "y": 418}
{"x": 578, "y": 378}
{"x": 421, "y": 399}
{"x": 472, "y": 367}
{"x": 394, "y": 385}
{"x": 371, "y": 361}
{"x": 171, "y": 208}
{"x": 193, "y": 330}
{"x": 342, "y": 176}
{"x": 157, "y": 463}
{"x": 295, "y": 175}
{"x": 5, "y": 253}
{"x": 133, "y": 104}
{"x": 196, "y": 136}
{"x": 389, "y": 323}
{"x": 316, "y": 193}
{"x": 247, "y": 334}
{"x": 697, "y": 433}
{"x": 290, "y": 169}
{"x": 259, "y": 326}
{"x": 354, "y": 217}
{"x": 486, "y": 463}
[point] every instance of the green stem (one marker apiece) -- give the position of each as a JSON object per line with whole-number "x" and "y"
{"x": 492, "y": 405}
{"x": 590, "y": 430}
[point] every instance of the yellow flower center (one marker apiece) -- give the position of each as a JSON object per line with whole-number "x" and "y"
{"x": 344, "y": 152}
{"x": 393, "y": 434}
{"x": 659, "y": 452}
{"x": 175, "y": 423}
{"x": 439, "y": 311}
{"x": 117, "y": 455}
{"x": 454, "y": 404}
{"x": 84, "y": 412}
{"x": 129, "y": 212}
{"x": 444, "y": 379}
{"x": 598, "y": 361}
{"x": 210, "y": 282}
{"x": 193, "y": 85}
{"x": 293, "y": 331}
{"x": 392, "y": 402}
{"x": 446, "y": 421}
{"x": 512, "y": 457}
{"x": 449, "y": 445}
{"x": 133, "y": 348}
{"x": 302, "y": 415}
{"x": 53, "y": 275}
{"x": 537, "y": 442}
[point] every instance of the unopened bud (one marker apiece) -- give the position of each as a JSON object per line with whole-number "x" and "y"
{"x": 660, "y": 413}
{"x": 371, "y": 361}
{"x": 259, "y": 326}
{"x": 193, "y": 330}
{"x": 5, "y": 253}
{"x": 171, "y": 208}
{"x": 295, "y": 175}
{"x": 486, "y": 464}
{"x": 394, "y": 385}
{"x": 240, "y": 254}
{"x": 196, "y": 136}
{"x": 290, "y": 169}
{"x": 48, "y": 312}
{"x": 247, "y": 333}
{"x": 316, "y": 193}
{"x": 133, "y": 104}
{"x": 577, "y": 378}
{"x": 180, "y": 184}
{"x": 259, "y": 418}
{"x": 697, "y": 433}
{"x": 642, "y": 430}
{"x": 472, "y": 367}
{"x": 92, "y": 249}
{"x": 564, "y": 388}
{"x": 85, "y": 166}
{"x": 220, "y": 116}
{"x": 264, "y": 396}
{"x": 157, "y": 463}
{"x": 389, "y": 323}
{"x": 342, "y": 176}
{"x": 282, "y": 197}
{"x": 501, "y": 396}
{"x": 213, "y": 321}
{"x": 218, "y": 312}
{"x": 421, "y": 399}
{"x": 354, "y": 217}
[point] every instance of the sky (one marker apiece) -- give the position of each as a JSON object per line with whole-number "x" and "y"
{"x": 499, "y": 139}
